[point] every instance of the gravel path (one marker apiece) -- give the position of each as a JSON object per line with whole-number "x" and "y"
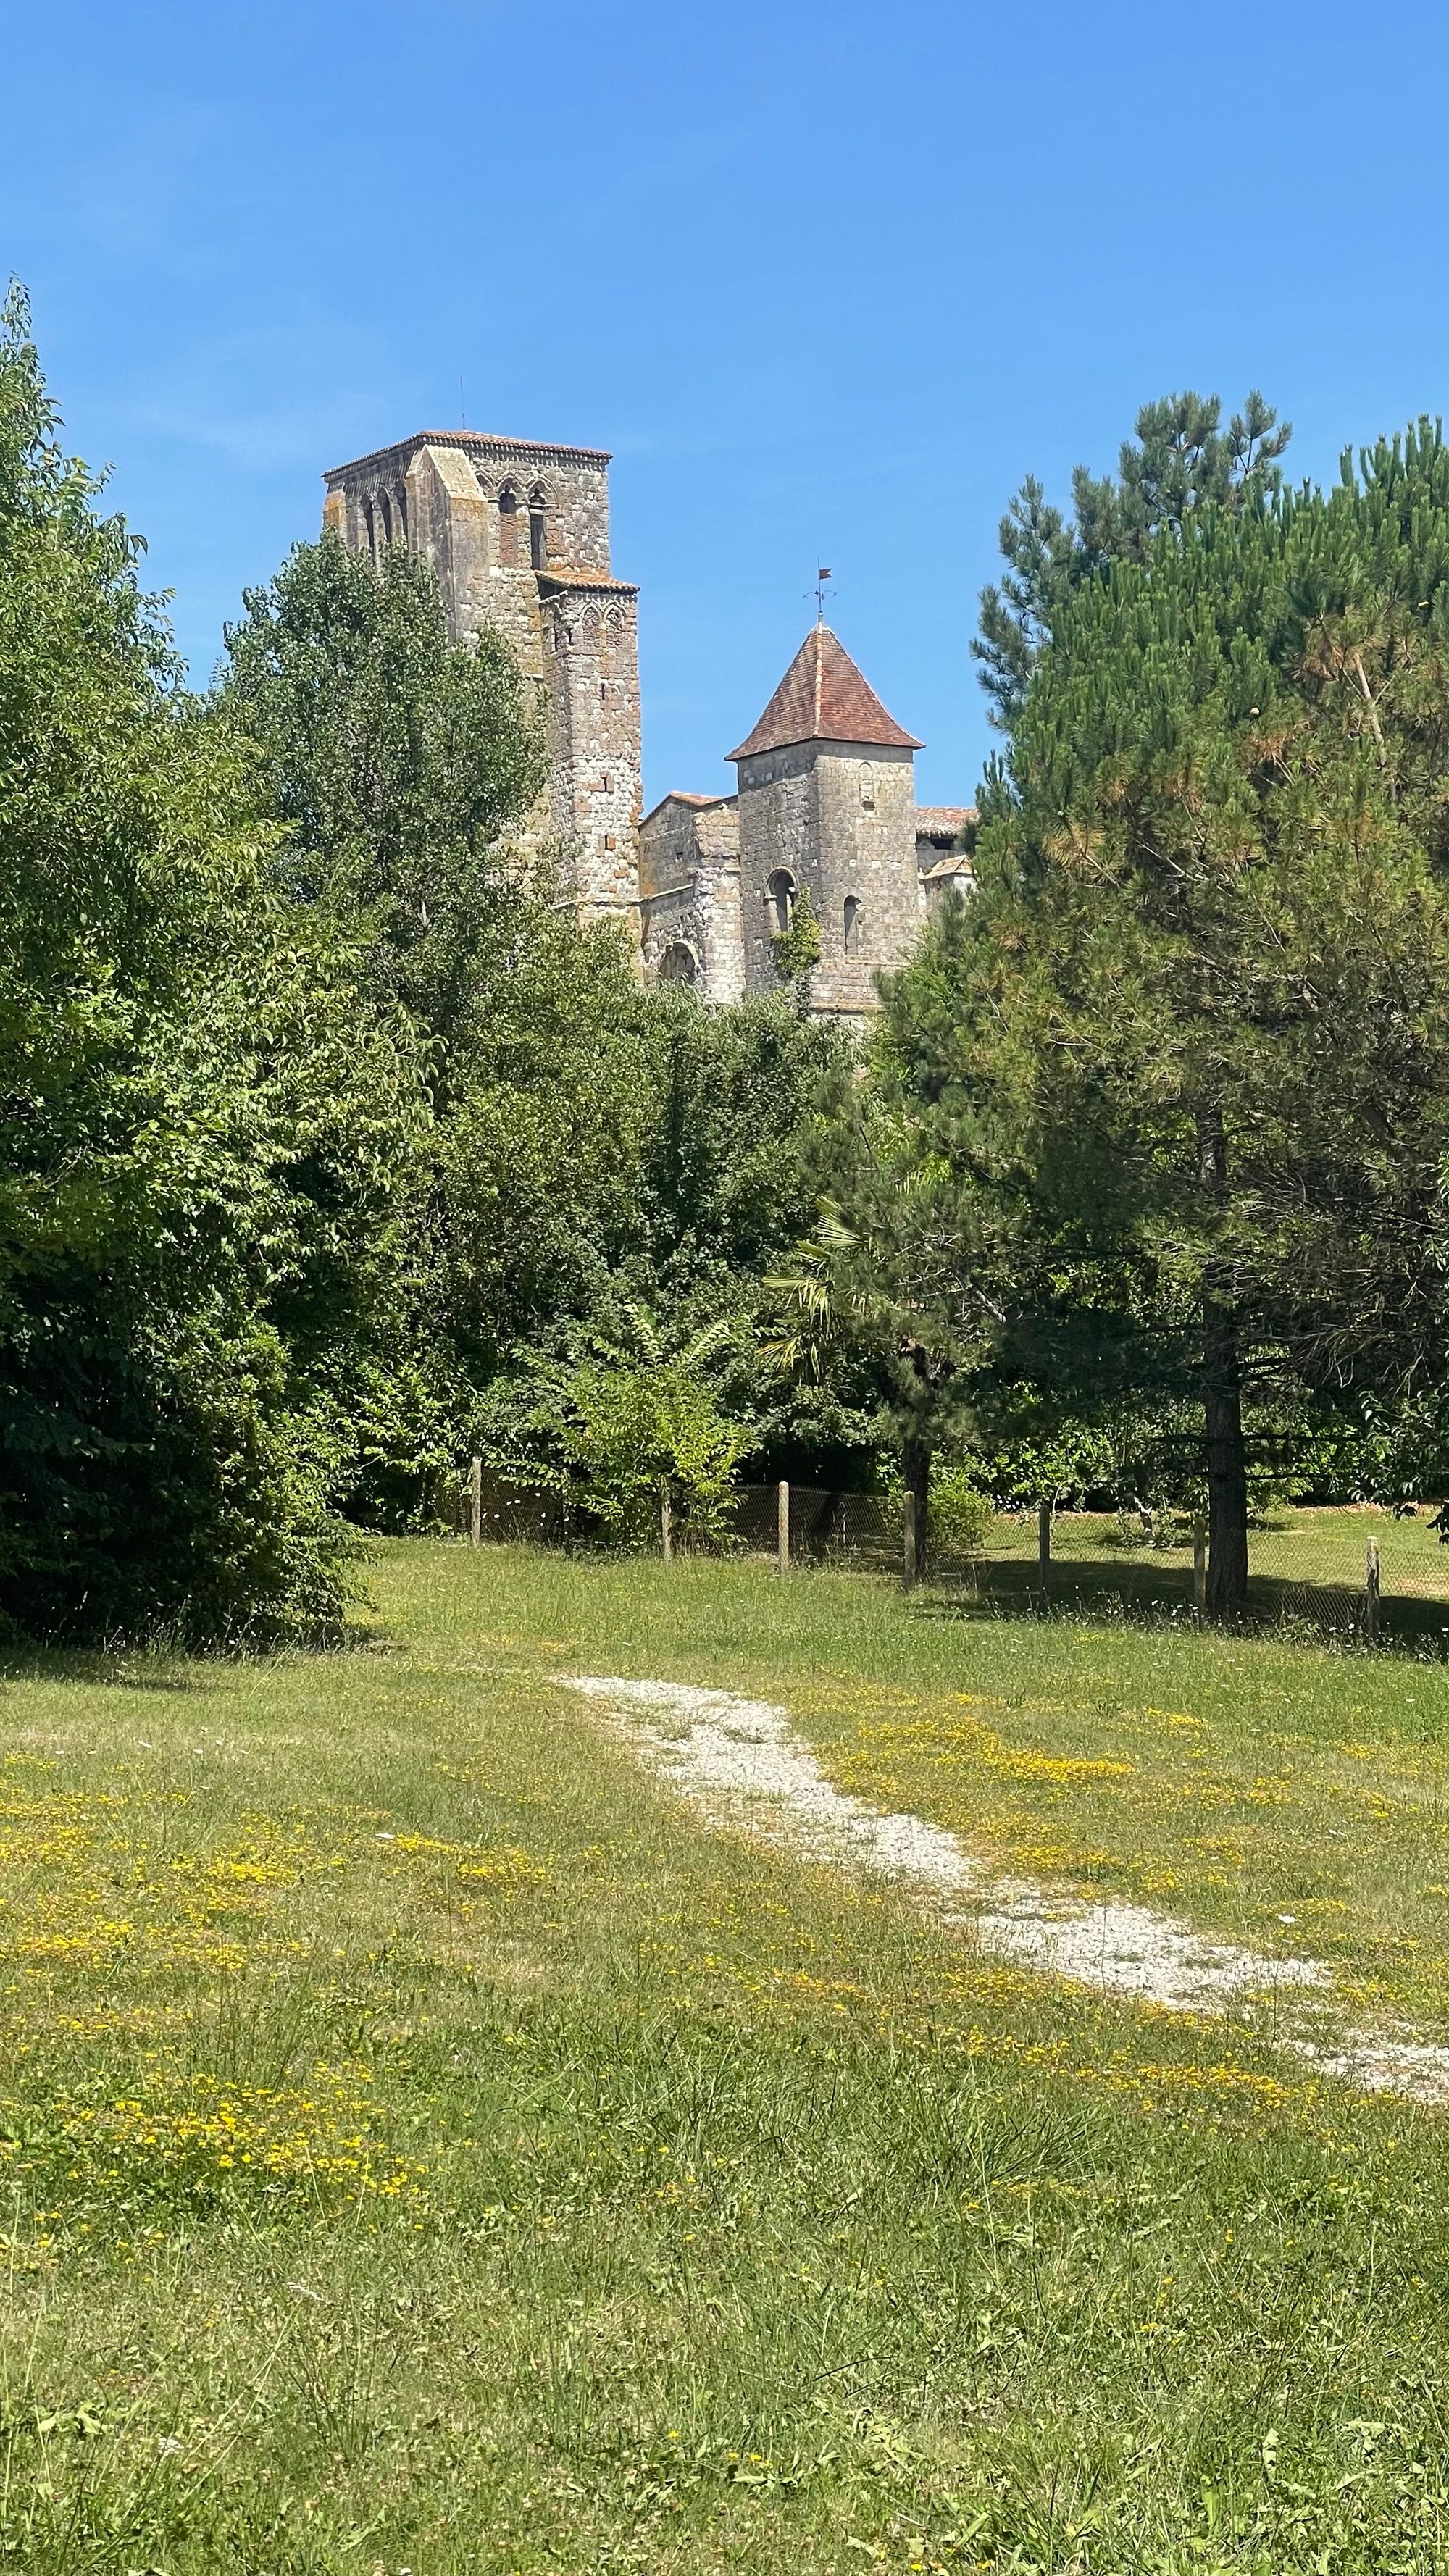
{"x": 741, "y": 1762}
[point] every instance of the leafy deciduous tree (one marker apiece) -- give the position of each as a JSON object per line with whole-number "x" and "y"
{"x": 398, "y": 759}
{"x": 201, "y": 1131}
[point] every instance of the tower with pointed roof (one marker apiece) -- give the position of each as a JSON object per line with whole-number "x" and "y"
{"x": 518, "y": 534}
{"x": 827, "y": 808}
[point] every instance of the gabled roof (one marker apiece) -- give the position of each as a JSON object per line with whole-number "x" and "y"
{"x": 685, "y": 796}
{"x": 942, "y": 822}
{"x": 824, "y": 698}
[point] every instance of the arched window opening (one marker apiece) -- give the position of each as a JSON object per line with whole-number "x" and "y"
{"x": 386, "y": 508}
{"x": 852, "y": 925}
{"x": 371, "y": 527}
{"x": 400, "y": 506}
{"x": 867, "y": 787}
{"x": 508, "y": 525}
{"x": 678, "y": 964}
{"x": 780, "y": 902}
{"x": 537, "y": 531}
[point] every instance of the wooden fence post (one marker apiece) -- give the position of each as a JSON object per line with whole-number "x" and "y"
{"x": 666, "y": 1528}
{"x": 782, "y": 1503}
{"x": 1044, "y": 1548}
{"x": 475, "y": 1502}
{"x": 909, "y": 1540}
{"x": 1371, "y": 1594}
{"x": 1199, "y": 1570}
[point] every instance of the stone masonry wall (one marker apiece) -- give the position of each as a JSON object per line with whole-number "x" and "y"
{"x": 840, "y": 819}
{"x": 689, "y": 884}
{"x": 777, "y": 819}
{"x": 591, "y": 664}
{"x": 866, "y": 857}
{"x": 518, "y": 535}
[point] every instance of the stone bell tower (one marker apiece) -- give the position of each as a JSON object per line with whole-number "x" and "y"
{"x": 518, "y": 535}
{"x": 827, "y": 803}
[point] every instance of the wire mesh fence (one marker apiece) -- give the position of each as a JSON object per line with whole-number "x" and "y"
{"x": 1357, "y": 1573}
{"x": 818, "y": 1527}
{"x": 487, "y": 1508}
{"x": 1361, "y": 1573}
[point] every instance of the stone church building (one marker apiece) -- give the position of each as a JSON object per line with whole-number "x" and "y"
{"x": 518, "y": 536}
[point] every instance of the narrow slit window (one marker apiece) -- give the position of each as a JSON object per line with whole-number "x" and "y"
{"x": 852, "y": 925}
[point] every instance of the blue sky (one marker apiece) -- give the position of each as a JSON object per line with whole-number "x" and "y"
{"x": 822, "y": 276}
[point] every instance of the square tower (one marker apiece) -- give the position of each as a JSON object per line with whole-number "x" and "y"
{"x": 827, "y": 806}
{"x": 518, "y": 536}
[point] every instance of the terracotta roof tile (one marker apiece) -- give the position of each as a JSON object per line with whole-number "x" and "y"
{"x": 579, "y": 577}
{"x": 685, "y": 796}
{"x": 824, "y": 698}
{"x": 942, "y": 822}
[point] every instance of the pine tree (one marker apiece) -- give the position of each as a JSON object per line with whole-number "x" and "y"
{"x": 1182, "y": 464}
{"x": 1190, "y": 1042}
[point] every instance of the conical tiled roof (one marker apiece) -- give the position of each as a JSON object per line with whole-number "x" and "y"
{"x": 823, "y": 698}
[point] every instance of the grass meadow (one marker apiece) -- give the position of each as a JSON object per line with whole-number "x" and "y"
{"x": 1306, "y": 1566}
{"x": 425, "y": 2146}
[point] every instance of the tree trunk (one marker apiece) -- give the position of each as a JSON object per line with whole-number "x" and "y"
{"x": 916, "y": 1475}
{"x": 1227, "y": 1463}
{"x": 1222, "y": 1385}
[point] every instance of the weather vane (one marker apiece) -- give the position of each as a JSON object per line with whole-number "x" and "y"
{"x": 822, "y": 576}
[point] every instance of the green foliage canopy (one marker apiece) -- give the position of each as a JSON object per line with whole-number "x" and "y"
{"x": 1182, "y": 463}
{"x": 1190, "y": 1044}
{"x": 616, "y": 1427}
{"x": 202, "y": 1127}
{"x": 398, "y": 759}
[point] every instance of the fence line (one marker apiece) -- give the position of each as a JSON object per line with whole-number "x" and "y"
{"x": 1310, "y": 1568}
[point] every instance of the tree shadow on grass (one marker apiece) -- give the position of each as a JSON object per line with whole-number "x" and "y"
{"x": 99, "y": 1667}
{"x": 1161, "y": 1596}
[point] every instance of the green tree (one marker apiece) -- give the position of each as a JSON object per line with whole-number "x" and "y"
{"x": 396, "y": 763}
{"x": 201, "y": 1127}
{"x": 595, "y": 1145}
{"x": 1182, "y": 463}
{"x": 619, "y": 1147}
{"x": 618, "y": 1427}
{"x": 398, "y": 760}
{"x": 1190, "y": 1043}
{"x": 890, "y": 1305}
